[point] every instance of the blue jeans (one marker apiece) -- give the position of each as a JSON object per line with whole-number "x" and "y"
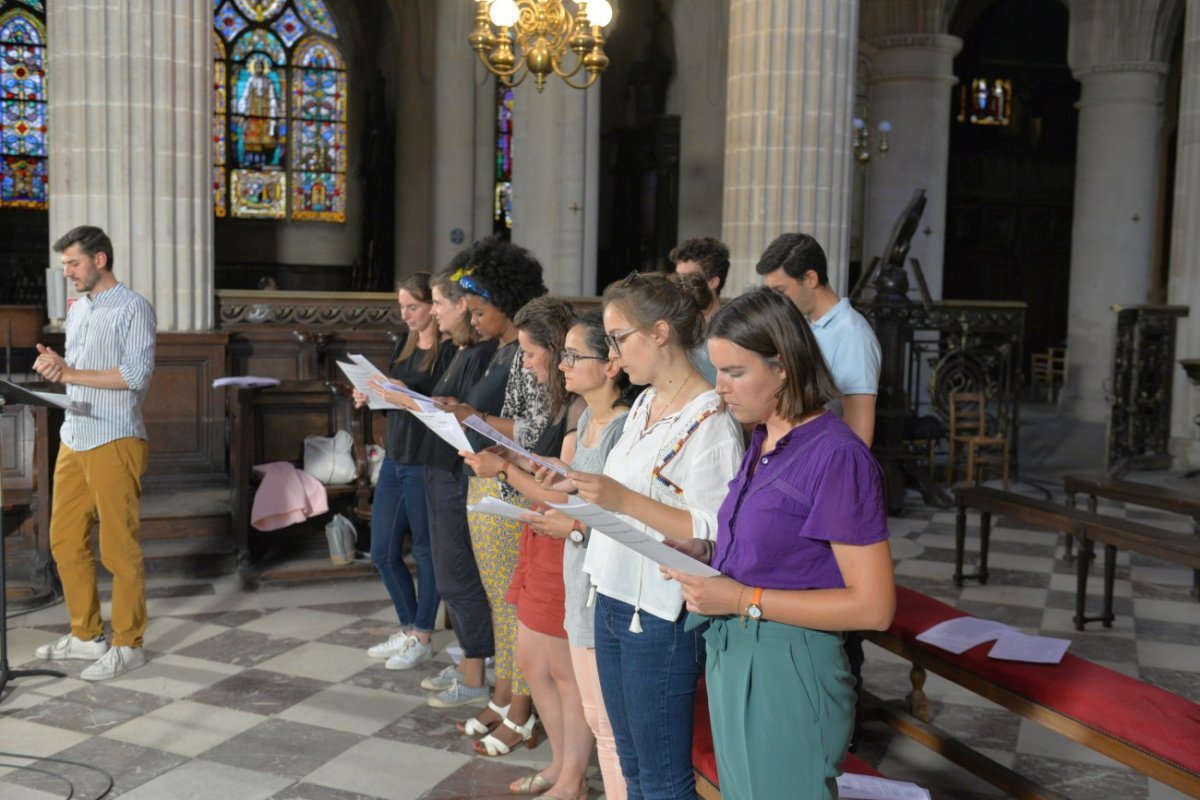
{"x": 399, "y": 508}
{"x": 649, "y": 684}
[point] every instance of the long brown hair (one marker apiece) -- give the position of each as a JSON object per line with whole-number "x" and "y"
{"x": 678, "y": 300}
{"x": 462, "y": 334}
{"x": 546, "y": 321}
{"x": 417, "y": 285}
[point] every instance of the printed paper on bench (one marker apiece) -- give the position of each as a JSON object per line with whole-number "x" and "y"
{"x": 476, "y": 424}
{"x": 1016, "y": 646}
{"x": 492, "y": 505}
{"x": 640, "y": 542}
{"x": 868, "y": 787}
{"x": 961, "y": 634}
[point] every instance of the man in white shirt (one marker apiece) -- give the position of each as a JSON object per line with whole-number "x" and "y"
{"x": 794, "y": 265}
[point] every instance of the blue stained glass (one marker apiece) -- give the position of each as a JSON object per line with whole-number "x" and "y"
{"x": 320, "y": 146}
{"x": 229, "y": 22}
{"x": 17, "y": 28}
{"x": 317, "y": 16}
{"x": 260, "y": 127}
{"x": 260, "y": 10}
{"x": 319, "y": 196}
{"x": 36, "y": 5}
{"x": 289, "y": 27}
{"x": 23, "y": 129}
{"x": 22, "y": 182}
{"x": 21, "y": 75}
{"x": 259, "y": 41}
{"x": 317, "y": 54}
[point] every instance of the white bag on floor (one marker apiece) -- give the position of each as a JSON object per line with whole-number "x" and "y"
{"x": 330, "y": 459}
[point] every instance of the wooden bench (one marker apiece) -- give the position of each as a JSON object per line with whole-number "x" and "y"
{"x": 1142, "y": 726}
{"x": 270, "y": 425}
{"x": 1112, "y": 532}
{"x": 1138, "y": 494}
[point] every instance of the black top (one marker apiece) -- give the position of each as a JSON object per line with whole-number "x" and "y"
{"x": 551, "y": 441}
{"x": 487, "y": 395}
{"x": 463, "y": 373}
{"x": 405, "y": 433}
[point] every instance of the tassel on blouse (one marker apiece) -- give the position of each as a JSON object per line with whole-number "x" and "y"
{"x": 635, "y": 625}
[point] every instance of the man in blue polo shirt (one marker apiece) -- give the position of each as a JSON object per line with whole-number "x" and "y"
{"x": 794, "y": 265}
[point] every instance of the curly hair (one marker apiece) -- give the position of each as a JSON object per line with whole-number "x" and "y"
{"x": 510, "y": 276}
{"x": 678, "y": 300}
{"x": 711, "y": 254}
{"x": 546, "y": 321}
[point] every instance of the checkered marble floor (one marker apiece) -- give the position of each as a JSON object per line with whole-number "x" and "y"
{"x": 269, "y": 694}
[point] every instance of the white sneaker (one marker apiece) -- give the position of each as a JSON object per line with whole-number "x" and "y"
{"x": 69, "y": 648}
{"x": 117, "y": 660}
{"x": 389, "y": 648}
{"x": 417, "y": 652}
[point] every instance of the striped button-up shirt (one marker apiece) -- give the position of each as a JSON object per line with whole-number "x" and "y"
{"x": 113, "y": 329}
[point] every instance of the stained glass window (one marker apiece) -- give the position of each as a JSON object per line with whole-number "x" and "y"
{"x": 986, "y": 102}
{"x": 22, "y": 105}
{"x": 279, "y": 122}
{"x": 502, "y": 220}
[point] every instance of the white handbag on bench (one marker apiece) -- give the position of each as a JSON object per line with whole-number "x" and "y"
{"x": 330, "y": 459}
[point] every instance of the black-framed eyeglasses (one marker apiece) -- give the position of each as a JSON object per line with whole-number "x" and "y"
{"x": 614, "y": 339}
{"x": 468, "y": 283}
{"x": 571, "y": 358}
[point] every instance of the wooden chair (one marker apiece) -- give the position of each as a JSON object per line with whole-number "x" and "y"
{"x": 968, "y": 429}
{"x": 1049, "y": 370}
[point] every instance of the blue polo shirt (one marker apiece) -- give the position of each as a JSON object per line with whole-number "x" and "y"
{"x": 850, "y": 348}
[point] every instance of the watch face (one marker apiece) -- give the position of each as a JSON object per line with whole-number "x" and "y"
{"x": 754, "y": 612}
{"x": 576, "y": 537}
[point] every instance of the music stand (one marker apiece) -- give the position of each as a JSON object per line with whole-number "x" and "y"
{"x": 18, "y": 395}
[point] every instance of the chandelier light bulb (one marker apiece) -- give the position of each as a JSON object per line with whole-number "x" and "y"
{"x": 599, "y": 12}
{"x": 503, "y": 13}
{"x": 858, "y": 124}
{"x": 885, "y": 126}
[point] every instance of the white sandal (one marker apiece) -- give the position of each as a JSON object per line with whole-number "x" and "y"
{"x": 474, "y": 728}
{"x": 491, "y": 746}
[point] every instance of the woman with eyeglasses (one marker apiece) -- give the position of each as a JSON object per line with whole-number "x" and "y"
{"x": 454, "y": 564}
{"x": 549, "y": 588}
{"x": 667, "y": 474}
{"x": 803, "y": 551}
{"x": 399, "y": 507}
{"x": 509, "y": 398}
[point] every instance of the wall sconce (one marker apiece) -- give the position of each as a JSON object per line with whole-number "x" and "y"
{"x": 862, "y": 139}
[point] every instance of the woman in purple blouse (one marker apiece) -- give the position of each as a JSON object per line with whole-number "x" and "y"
{"x": 803, "y": 552}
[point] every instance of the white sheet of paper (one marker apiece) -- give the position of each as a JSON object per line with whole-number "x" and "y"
{"x": 60, "y": 400}
{"x": 446, "y": 426}
{"x": 868, "y": 787}
{"x": 642, "y": 543}
{"x": 476, "y": 424}
{"x": 1016, "y": 646}
{"x": 492, "y": 505}
{"x": 359, "y": 378}
{"x": 423, "y": 402}
{"x": 960, "y": 635}
{"x": 360, "y": 360}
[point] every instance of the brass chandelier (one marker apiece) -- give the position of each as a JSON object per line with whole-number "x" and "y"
{"x": 516, "y": 38}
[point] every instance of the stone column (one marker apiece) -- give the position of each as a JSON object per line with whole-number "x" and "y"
{"x": 909, "y": 82}
{"x": 1113, "y": 233}
{"x": 1183, "y": 286}
{"x": 789, "y": 104}
{"x": 130, "y": 117}
{"x": 464, "y": 121}
{"x": 550, "y": 193}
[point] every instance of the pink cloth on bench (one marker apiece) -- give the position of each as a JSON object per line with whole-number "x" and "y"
{"x": 1124, "y": 708}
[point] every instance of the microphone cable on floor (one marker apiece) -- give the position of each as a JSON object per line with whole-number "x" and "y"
{"x": 70, "y": 784}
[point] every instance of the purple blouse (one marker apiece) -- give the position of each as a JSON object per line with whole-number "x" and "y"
{"x": 819, "y": 485}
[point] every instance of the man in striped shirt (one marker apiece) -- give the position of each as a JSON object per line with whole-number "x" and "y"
{"x": 106, "y": 370}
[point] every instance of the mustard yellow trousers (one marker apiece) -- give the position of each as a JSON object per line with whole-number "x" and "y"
{"x": 103, "y": 484}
